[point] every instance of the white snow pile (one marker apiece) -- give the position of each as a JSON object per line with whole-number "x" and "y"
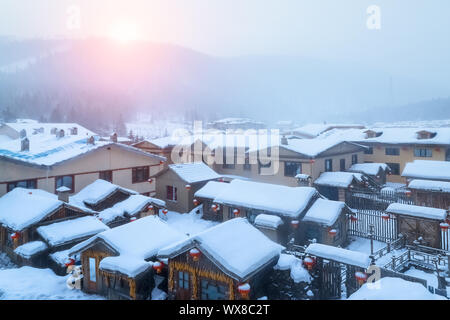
{"x": 394, "y": 289}
{"x": 62, "y": 257}
{"x": 427, "y": 169}
{"x": 287, "y": 201}
{"x": 188, "y": 223}
{"x": 267, "y": 220}
{"x": 324, "y": 212}
{"x": 224, "y": 244}
{"x": 134, "y": 242}
{"x": 338, "y": 254}
{"x": 29, "y": 249}
{"x": 194, "y": 172}
{"x": 211, "y": 190}
{"x": 60, "y": 233}
{"x": 96, "y": 192}
{"x": 369, "y": 168}
{"x": 28, "y": 283}
{"x": 290, "y": 262}
{"x": 131, "y": 206}
{"x": 417, "y": 211}
{"x": 430, "y": 185}
{"x": 21, "y": 208}
{"x": 338, "y": 179}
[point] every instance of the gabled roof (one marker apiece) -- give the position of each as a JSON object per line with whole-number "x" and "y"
{"x": 286, "y": 201}
{"x": 324, "y": 212}
{"x": 417, "y": 211}
{"x": 369, "y": 168}
{"x": 211, "y": 189}
{"x": 194, "y": 172}
{"x": 338, "y": 254}
{"x": 235, "y": 246}
{"x": 338, "y": 179}
{"x": 427, "y": 169}
{"x": 430, "y": 185}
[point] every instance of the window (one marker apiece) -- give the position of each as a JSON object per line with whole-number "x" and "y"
{"x": 106, "y": 175}
{"x": 395, "y": 168}
{"x": 291, "y": 169}
{"x": 64, "y": 181}
{"x": 261, "y": 165}
{"x": 171, "y": 193}
{"x": 328, "y": 165}
{"x": 27, "y": 184}
{"x": 140, "y": 174}
{"x": 183, "y": 280}
{"x": 247, "y": 165}
{"x": 447, "y": 155}
{"x": 392, "y": 151}
{"x": 354, "y": 158}
{"x": 212, "y": 290}
{"x": 342, "y": 164}
{"x": 92, "y": 270}
{"x": 423, "y": 152}
{"x": 227, "y": 165}
{"x": 369, "y": 150}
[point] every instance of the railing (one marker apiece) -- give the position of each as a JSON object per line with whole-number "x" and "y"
{"x": 396, "y": 244}
{"x": 384, "y": 230}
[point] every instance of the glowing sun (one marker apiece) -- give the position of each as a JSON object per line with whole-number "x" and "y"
{"x": 124, "y": 32}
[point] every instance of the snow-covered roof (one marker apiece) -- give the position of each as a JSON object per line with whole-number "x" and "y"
{"x": 30, "y": 126}
{"x": 314, "y": 129}
{"x": 128, "y": 265}
{"x": 60, "y": 233}
{"x": 194, "y": 172}
{"x": 131, "y": 206}
{"x": 338, "y": 179}
{"x": 172, "y": 140}
{"x": 21, "y": 208}
{"x": 96, "y": 192}
{"x": 338, "y": 254}
{"x": 141, "y": 238}
{"x": 62, "y": 257}
{"x": 324, "y": 212}
{"x": 287, "y": 201}
{"x": 268, "y": 220}
{"x": 389, "y": 288}
{"x": 430, "y": 185}
{"x": 29, "y": 249}
{"x": 417, "y": 211}
{"x": 369, "y": 168}
{"x": 295, "y": 265}
{"x": 427, "y": 169}
{"x": 236, "y": 246}
{"x": 211, "y": 189}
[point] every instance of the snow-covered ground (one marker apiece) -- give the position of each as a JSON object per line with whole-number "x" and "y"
{"x": 363, "y": 245}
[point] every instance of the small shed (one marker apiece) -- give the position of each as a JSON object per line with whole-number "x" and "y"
{"x": 226, "y": 262}
{"x": 334, "y": 185}
{"x": 326, "y": 221}
{"x": 430, "y": 193}
{"x": 178, "y": 183}
{"x": 377, "y": 171}
{"x": 416, "y": 222}
{"x": 270, "y": 226}
{"x": 117, "y": 263}
{"x": 205, "y": 197}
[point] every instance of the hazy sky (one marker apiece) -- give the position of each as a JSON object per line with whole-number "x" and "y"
{"x": 413, "y": 32}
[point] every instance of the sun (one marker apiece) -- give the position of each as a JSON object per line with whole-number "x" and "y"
{"x": 124, "y": 32}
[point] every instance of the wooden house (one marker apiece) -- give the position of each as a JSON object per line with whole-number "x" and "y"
{"x": 428, "y": 225}
{"x": 429, "y": 193}
{"x": 229, "y": 261}
{"x": 334, "y": 185}
{"x": 271, "y": 226}
{"x": 427, "y": 170}
{"x": 119, "y": 263}
{"x": 378, "y": 172}
{"x": 22, "y": 212}
{"x": 178, "y": 183}
{"x": 205, "y": 197}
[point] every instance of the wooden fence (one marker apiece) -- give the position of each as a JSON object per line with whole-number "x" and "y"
{"x": 375, "y": 200}
{"x": 383, "y": 230}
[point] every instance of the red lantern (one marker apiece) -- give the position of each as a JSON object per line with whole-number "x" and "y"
{"x": 196, "y": 202}
{"x": 408, "y": 193}
{"x": 188, "y": 187}
{"x": 15, "y": 235}
{"x": 353, "y": 218}
{"x": 385, "y": 216}
{"x": 71, "y": 262}
{"x": 312, "y": 161}
{"x": 309, "y": 262}
{"x": 437, "y": 149}
{"x": 444, "y": 226}
{"x": 158, "y": 266}
{"x": 150, "y": 180}
{"x": 150, "y": 207}
{"x": 133, "y": 219}
{"x": 221, "y": 180}
{"x": 244, "y": 290}
{"x": 30, "y": 192}
{"x": 214, "y": 207}
{"x": 161, "y": 162}
{"x": 361, "y": 277}
{"x": 332, "y": 232}
{"x": 294, "y": 224}
{"x": 165, "y": 211}
{"x": 195, "y": 254}
{"x": 236, "y": 212}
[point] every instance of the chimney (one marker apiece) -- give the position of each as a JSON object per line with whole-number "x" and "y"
{"x": 25, "y": 144}
{"x": 63, "y": 193}
{"x": 91, "y": 140}
{"x": 284, "y": 141}
{"x": 53, "y": 131}
{"x": 74, "y": 131}
{"x": 60, "y": 134}
{"x": 22, "y": 134}
{"x": 114, "y": 137}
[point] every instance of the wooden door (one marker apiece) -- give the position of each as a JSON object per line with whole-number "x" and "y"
{"x": 183, "y": 283}
{"x": 91, "y": 275}
{"x": 330, "y": 280}
{"x": 415, "y": 228}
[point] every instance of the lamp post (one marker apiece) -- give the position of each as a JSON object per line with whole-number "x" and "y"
{"x": 371, "y": 236}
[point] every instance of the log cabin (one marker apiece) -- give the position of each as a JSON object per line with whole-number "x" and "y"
{"x": 215, "y": 265}
{"x": 335, "y": 185}
{"x": 430, "y": 193}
